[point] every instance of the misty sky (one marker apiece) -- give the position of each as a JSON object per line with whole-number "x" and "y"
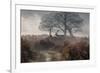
{"x": 30, "y": 21}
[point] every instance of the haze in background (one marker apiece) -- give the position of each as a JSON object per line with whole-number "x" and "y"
{"x": 30, "y": 21}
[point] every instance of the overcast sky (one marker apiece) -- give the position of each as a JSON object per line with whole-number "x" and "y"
{"x": 30, "y": 21}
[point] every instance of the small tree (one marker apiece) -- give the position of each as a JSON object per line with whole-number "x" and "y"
{"x": 47, "y": 23}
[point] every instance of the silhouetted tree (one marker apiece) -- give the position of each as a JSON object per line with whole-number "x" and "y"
{"x": 47, "y": 23}
{"x": 67, "y": 21}
{"x": 64, "y": 21}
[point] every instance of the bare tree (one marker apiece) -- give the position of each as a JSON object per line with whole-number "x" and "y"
{"x": 47, "y": 23}
{"x": 67, "y": 21}
{"x": 64, "y": 21}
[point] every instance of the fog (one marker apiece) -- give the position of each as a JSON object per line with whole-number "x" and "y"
{"x": 30, "y": 21}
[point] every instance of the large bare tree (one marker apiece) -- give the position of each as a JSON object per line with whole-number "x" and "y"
{"x": 68, "y": 21}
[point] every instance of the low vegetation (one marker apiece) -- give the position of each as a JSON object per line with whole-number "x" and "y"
{"x": 45, "y": 48}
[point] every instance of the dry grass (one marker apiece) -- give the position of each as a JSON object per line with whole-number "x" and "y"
{"x": 37, "y": 49}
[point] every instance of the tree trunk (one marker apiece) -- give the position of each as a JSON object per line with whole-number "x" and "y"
{"x": 65, "y": 32}
{"x": 70, "y": 32}
{"x": 50, "y": 33}
{"x": 65, "y": 26}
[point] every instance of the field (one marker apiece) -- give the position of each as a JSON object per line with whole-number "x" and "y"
{"x": 42, "y": 48}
